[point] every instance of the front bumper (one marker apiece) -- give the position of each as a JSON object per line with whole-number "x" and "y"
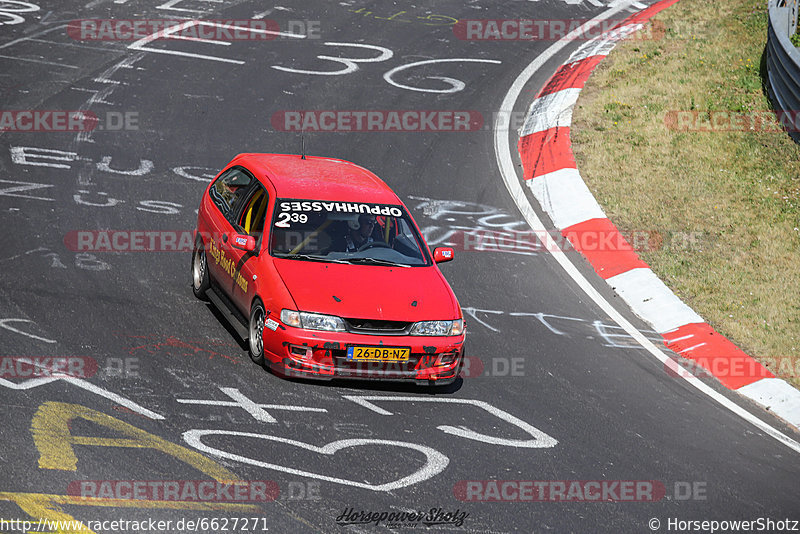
{"x": 317, "y": 355}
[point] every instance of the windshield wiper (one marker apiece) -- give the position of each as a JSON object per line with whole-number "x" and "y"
{"x": 376, "y": 261}
{"x": 310, "y": 257}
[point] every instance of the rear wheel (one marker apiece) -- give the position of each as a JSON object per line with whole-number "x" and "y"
{"x": 200, "y": 279}
{"x": 256, "y": 332}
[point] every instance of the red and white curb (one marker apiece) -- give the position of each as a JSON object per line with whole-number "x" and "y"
{"x": 549, "y": 170}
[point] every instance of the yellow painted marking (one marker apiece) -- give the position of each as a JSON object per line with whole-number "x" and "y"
{"x": 55, "y": 442}
{"x": 48, "y": 506}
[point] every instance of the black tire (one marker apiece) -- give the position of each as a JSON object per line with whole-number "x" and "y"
{"x": 200, "y": 279}
{"x": 255, "y": 337}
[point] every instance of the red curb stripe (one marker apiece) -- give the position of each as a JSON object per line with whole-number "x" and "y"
{"x": 651, "y": 11}
{"x": 713, "y": 351}
{"x": 603, "y": 245}
{"x": 572, "y": 75}
{"x": 546, "y": 151}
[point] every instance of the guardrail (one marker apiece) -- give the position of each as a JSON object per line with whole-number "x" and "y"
{"x": 783, "y": 59}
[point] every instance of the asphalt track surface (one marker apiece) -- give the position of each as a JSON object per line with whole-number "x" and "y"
{"x": 551, "y": 358}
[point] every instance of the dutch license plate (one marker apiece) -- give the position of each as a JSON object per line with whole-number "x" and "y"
{"x": 378, "y": 354}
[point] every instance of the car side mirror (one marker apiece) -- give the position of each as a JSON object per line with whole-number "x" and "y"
{"x": 244, "y": 242}
{"x": 443, "y": 254}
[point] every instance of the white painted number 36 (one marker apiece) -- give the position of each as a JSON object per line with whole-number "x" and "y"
{"x": 10, "y": 8}
{"x": 350, "y": 65}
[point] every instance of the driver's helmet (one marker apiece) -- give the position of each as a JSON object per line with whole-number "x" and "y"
{"x": 356, "y": 221}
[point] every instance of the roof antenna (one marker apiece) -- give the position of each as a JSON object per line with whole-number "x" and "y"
{"x": 303, "y": 146}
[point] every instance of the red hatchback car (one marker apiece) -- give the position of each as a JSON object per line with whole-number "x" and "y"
{"x": 319, "y": 265}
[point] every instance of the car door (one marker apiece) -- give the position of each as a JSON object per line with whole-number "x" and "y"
{"x": 250, "y": 221}
{"x": 227, "y": 192}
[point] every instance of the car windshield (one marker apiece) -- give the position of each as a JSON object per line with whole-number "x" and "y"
{"x": 346, "y": 232}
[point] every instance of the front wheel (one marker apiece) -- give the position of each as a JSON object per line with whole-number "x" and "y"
{"x": 200, "y": 279}
{"x": 256, "y": 332}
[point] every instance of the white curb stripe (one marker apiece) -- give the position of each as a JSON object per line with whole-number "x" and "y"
{"x": 634, "y": 4}
{"x": 550, "y": 111}
{"x": 566, "y": 199}
{"x": 777, "y": 396}
{"x": 601, "y": 46}
{"x": 652, "y": 300}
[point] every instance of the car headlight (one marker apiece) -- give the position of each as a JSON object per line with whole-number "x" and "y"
{"x": 291, "y": 318}
{"x": 313, "y": 321}
{"x": 438, "y": 328}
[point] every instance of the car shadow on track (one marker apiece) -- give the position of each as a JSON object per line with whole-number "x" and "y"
{"x": 227, "y": 325}
{"x": 365, "y": 385}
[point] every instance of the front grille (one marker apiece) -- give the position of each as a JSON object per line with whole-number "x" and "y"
{"x": 377, "y": 327}
{"x": 345, "y": 367}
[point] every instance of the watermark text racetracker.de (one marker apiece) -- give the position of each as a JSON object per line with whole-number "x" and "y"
{"x": 709, "y": 364}
{"x": 206, "y": 30}
{"x": 587, "y": 240}
{"x": 551, "y": 29}
{"x": 578, "y": 29}
{"x": 37, "y": 120}
{"x": 496, "y": 366}
{"x": 130, "y": 240}
{"x": 176, "y": 490}
{"x": 397, "y": 120}
{"x": 238, "y": 491}
{"x": 409, "y": 120}
{"x": 26, "y": 367}
{"x": 521, "y": 491}
{"x": 47, "y": 366}
{"x": 774, "y": 121}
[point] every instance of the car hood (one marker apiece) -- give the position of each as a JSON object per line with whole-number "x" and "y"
{"x": 369, "y": 291}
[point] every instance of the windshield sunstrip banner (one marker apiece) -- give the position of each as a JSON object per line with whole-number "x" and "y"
{"x": 340, "y": 207}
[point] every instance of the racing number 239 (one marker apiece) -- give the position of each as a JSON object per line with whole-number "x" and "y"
{"x": 285, "y": 219}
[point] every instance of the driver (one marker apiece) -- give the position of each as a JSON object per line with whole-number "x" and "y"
{"x": 359, "y": 233}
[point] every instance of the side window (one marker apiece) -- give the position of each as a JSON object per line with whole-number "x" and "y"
{"x": 228, "y": 189}
{"x": 255, "y": 212}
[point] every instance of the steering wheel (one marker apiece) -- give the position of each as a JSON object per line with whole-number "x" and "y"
{"x": 371, "y": 244}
